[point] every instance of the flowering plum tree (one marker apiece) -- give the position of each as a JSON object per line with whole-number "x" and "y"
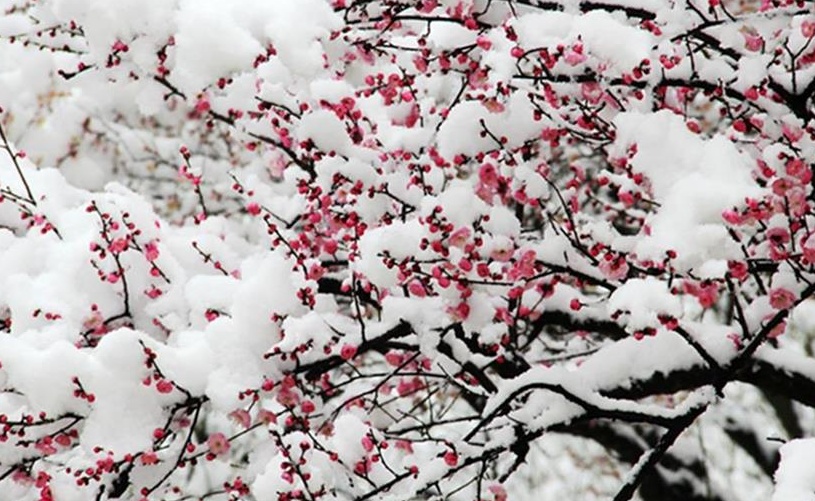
{"x": 407, "y": 249}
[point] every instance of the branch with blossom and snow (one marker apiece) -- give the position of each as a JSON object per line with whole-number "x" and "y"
{"x": 407, "y": 249}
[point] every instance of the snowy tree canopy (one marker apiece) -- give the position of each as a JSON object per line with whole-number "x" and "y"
{"x": 407, "y": 250}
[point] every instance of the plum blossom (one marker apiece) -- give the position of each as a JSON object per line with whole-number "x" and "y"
{"x": 218, "y": 444}
{"x": 781, "y": 298}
